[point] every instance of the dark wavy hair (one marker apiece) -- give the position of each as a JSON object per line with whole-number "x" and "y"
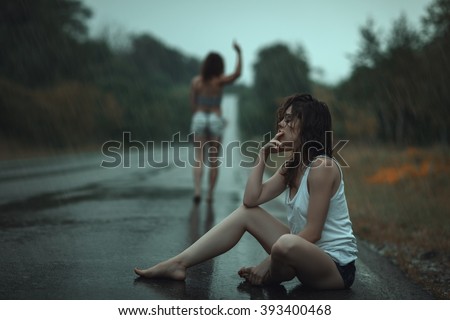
{"x": 212, "y": 66}
{"x": 315, "y": 136}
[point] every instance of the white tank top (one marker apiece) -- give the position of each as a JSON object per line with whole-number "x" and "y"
{"x": 337, "y": 237}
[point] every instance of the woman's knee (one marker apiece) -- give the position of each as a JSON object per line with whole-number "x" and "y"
{"x": 286, "y": 245}
{"x": 244, "y": 210}
{"x": 247, "y": 213}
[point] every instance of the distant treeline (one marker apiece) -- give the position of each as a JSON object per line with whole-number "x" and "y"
{"x": 59, "y": 88}
{"x": 397, "y": 93}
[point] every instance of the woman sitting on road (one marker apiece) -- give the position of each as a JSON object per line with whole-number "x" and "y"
{"x": 318, "y": 247}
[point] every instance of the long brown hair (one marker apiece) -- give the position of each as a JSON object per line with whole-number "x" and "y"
{"x": 212, "y": 66}
{"x": 315, "y": 136}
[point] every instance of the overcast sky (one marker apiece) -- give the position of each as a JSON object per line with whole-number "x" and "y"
{"x": 327, "y": 29}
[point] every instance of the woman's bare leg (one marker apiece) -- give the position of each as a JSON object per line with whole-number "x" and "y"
{"x": 198, "y": 167}
{"x": 213, "y": 153}
{"x": 221, "y": 238}
{"x": 294, "y": 256}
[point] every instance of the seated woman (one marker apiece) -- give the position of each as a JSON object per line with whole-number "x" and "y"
{"x": 317, "y": 246}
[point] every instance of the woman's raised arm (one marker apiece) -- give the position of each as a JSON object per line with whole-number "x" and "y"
{"x": 237, "y": 72}
{"x": 257, "y": 192}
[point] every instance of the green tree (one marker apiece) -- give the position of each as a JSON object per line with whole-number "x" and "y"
{"x": 388, "y": 83}
{"x": 54, "y": 73}
{"x": 40, "y": 38}
{"x": 369, "y": 53}
{"x": 278, "y": 72}
{"x": 436, "y": 69}
{"x": 160, "y": 65}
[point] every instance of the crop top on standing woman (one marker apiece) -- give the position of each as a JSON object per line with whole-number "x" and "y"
{"x": 209, "y": 101}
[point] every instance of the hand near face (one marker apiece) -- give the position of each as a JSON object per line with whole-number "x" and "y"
{"x": 277, "y": 145}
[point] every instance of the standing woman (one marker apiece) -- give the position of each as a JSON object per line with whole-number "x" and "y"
{"x": 317, "y": 246}
{"x": 207, "y": 122}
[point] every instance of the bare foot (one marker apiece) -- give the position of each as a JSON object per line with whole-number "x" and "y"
{"x": 167, "y": 270}
{"x": 244, "y": 272}
{"x": 247, "y": 274}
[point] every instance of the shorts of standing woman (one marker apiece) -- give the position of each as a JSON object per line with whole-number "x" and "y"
{"x": 207, "y": 124}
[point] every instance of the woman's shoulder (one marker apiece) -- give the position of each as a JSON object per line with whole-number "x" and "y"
{"x": 196, "y": 80}
{"x": 322, "y": 162}
{"x": 213, "y": 86}
{"x": 217, "y": 81}
{"x": 326, "y": 167}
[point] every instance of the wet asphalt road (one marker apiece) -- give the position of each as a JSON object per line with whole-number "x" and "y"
{"x": 70, "y": 229}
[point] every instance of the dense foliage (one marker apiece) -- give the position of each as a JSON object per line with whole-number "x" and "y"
{"x": 278, "y": 72}
{"x": 58, "y": 87}
{"x": 398, "y": 90}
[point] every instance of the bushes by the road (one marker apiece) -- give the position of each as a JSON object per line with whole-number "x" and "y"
{"x": 68, "y": 114}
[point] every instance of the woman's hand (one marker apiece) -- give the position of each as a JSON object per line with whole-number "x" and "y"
{"x": 236, "y": 47}
{"x": 276, "y": 146}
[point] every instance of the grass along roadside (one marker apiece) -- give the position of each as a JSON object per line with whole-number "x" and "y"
{"x": 399, "y": 202}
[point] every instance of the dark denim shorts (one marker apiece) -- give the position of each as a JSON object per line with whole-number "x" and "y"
{"x": 347, "y": 273}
